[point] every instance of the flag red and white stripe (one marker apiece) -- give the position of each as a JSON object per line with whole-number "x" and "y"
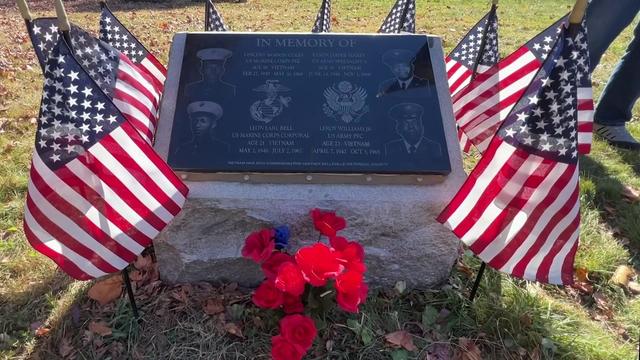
{"x": 519, "y": 213}
{"x": 519, "y": 209}
{"x": 482, "y": 106}
{"x": 98, "y": 193}
{"x": 137, "y": 98}
{"x": 94, "y": 215}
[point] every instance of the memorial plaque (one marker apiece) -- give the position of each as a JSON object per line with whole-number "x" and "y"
{"x": 305, "y": 103}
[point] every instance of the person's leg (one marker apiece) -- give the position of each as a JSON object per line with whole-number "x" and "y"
{"x": 622, "y": 89}
{"x": 605, "y": 21}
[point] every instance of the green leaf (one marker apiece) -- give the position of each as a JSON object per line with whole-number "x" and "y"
{"x": 400, "y": 355}
{"x": 366, "y": 336}
{"x": 429, "y": 316}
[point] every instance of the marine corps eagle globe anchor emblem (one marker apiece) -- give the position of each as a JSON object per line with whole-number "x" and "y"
{"x": 267, "y": 109}
{"x": 346, "y": 102}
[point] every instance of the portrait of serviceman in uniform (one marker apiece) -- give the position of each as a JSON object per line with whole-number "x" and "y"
{"x": 404, "y": 82}
{"x": 412, "y": 145}
{"x": 204, "y": 117}
{"x": 211, "y": 87}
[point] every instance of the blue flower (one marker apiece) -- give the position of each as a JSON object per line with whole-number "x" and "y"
{"x": 282, "y": 237}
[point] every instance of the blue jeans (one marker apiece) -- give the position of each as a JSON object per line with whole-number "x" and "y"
{"x": 605, "y": 21}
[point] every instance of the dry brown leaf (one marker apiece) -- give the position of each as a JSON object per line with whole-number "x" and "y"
{"x": 622, "y": 275}
{"x": 630, "y": 193}
{"x": 136, "y": 276}
{"x": 603, "y": 304}
{"x": 233, "y": 329}
{"x": 634, "y": 287}
{"x": 583, "y": 287}
{"x": 468, "y": 350}
{"x": 107, "y": 290}
{"x": 213, "y": 306}
{"x": 143, "y": 262}
{"x": 582, "y": 275}
{"x": 401, "y": 338}
{"x": 42, "y": 331}
{"x": 65, "y": 348}
{"x": 101, "y": 328}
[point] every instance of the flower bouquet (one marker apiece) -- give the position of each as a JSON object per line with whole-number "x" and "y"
{"x": 314, "y": 273}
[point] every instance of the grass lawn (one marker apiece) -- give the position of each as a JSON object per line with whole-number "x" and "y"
{"x": 45, "y": 315}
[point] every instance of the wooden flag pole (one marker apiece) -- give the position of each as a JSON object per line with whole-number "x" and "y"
{"x": 579, "y": 9}
{"x": 63, "y": 21}
{"x": 483, "y": 42}
{"x": 24, "y": 10}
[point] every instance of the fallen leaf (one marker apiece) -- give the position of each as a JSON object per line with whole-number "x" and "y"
{"x": 582, "y": 275}
{"x": 65, "y": 348}
{"x": 631, "y": 194}
{"x": 468, "y": 350}
{"x": 622, "y": 275}
{"x": 42, "y": 331}
{"x": 401, "y": 338}
{"x": 603, "y": 304}
{"x": 213, "y": 306}
{"x": 233, "y": 329}
{"x": 107, "y": 290}
{"x": 101, "y": 328}
{"x": 583, "y": 287}
{"x": 439, "y": 351}
{"x": 634, "y": 287}
{"x": 143, "y": 262}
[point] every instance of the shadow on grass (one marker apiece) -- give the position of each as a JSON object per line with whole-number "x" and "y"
{"x": 608, "y": 192}
{"x": 631, "y": 157}
{"x": 25, "y": 310}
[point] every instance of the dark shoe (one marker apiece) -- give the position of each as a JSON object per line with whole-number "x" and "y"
{"x": 617, "y": 136}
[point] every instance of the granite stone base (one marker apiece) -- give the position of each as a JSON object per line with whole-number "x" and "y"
{"x": 395, "y": 224}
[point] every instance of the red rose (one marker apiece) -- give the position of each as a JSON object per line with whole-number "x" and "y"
{"x": 267, "y": 296}
{"x": 259, "y": 245}
{"x": 351, "y": 301}
{"x": 299, "y": 329}
{"x": 289, "y": 279}
{"x": 338, "y": 242}
{"x": 351, "y": 255}
{"x": 271, "y": 266}
{"x": 327, "y": 222}
{"x": 292, "y": 304}
{"x": 283, "y": 349}
{"x": 349, "y": 282}
{"x": 318, "y": 263}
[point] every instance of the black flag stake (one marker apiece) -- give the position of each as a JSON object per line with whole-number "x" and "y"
{"x": 132, "y": 299}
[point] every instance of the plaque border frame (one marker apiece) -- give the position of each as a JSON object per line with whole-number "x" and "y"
{"x": 168, "y": 109}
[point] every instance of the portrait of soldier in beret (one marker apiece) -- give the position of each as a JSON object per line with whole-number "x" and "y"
{"x": 204, "y": 117}
{"x": 212, "y": 67}
{"x": 412, "y": 145}
{"x": 404, "y": 82}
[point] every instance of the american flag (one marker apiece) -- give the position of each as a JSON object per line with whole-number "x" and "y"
{"x": 519, "y": 209}
{"x": 481, "y": 107}
{"x": 476, "y": 53}
{"x": 97, "y": 192}
{"x": 115, "y": 34}
{"x": 213, "y": 20}
{"x": 323, "y": 19}
{"x": 130, "y": 89}
{"x": 401, "y": 18}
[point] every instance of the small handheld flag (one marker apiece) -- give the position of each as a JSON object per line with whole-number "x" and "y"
{"x": 481, "y": 106}
{"x": 115, "y": 34}
{"x": 401, "y": 18}
{"x": 97, "y": 192}
{"x": 519, "y": 210}
{"x": 476, "y": 53}
{"x": 323, "y": 19}
{"x": 212, "y": 18}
